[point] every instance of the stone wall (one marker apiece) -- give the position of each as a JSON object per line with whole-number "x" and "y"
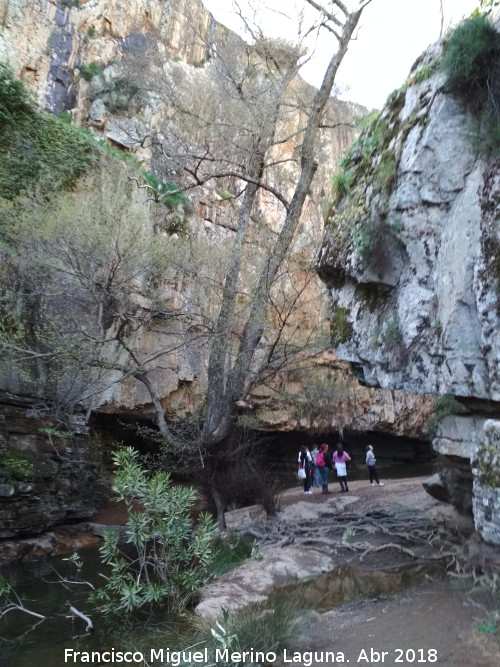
{"x": 48, "y": 475}
{"x": 486, "y": 471}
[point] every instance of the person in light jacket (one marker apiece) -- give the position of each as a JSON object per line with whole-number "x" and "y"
{"x": 340, "y": 458}
{"x": 370, "y": 462}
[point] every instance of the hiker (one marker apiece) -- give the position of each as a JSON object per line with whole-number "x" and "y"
{"x": 324, "y": 463}
{"x": 314, "y": 455}
{"x": 305, "y": 462}
{"x": 370, "y": 462}
{"x": 340, "y": 459}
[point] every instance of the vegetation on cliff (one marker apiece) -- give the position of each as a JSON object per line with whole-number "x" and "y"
{"x": 115, "y": 276}
{"x": 471, "y": 62}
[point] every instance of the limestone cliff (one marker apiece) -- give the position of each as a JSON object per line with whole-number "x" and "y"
{"x": 410, "y": 259}
{"x": 72, "y": 54}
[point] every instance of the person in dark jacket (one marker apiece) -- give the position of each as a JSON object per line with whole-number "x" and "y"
{"x": 324, "y": 462}
{"x": 305, "y": 461}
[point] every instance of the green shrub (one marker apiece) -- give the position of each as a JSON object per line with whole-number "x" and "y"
{"x": 16, "y": 105}
{"x": 391, "y": 332}
{"x": 471, "y": 62}
{"x": 362, "y": 239}
{"x": 425, "y": 72}
{"x": 39, "y": 147}
{"x": 231, "y": 551}
{"x": 19, "y": 467}
{"x": 340, "y": 186}
{"x": 162, "y": 188}
{"x": 444, "y": 405}
{"x": 385, "y": 172}
{"x": 340, "y": 327}
{"x": 170, "y": 560}
{"x": 65, "y": 116}
{"x": 471, "y": 49}
{"x": 88, "y": 72}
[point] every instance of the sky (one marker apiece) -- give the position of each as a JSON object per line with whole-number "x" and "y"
{"x": 390, "y": 37}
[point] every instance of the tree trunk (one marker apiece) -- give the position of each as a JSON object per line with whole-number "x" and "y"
{"x": 252, "y": 333}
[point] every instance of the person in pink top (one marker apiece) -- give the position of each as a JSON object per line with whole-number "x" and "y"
{"x": 340, "y": 459}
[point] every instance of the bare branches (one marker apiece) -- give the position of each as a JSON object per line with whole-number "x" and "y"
{"x": 74, "y": 612}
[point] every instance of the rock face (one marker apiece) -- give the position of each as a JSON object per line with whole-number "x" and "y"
{"x": 46, "y": 41}
{"x": 47, "y": 475}
{"x": 410, "y": 261}
{"x": 70, "y": 54}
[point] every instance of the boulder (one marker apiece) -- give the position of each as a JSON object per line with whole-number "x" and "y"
{"x": 436, "y": 488}
{"x": 243, "y": 518}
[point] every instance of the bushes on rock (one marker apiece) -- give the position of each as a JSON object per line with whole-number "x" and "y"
{"x": 36, "y": 146}
{"x": 472, "y": 64}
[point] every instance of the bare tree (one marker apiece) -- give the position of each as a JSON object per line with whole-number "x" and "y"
{"x": 240, "y": 141}
{"x": 230, "y": 375}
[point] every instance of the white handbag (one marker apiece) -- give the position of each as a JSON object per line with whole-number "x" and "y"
{"x": 301, "y": 473}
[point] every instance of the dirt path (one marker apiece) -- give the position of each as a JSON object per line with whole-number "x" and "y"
{"x": 436, "y": 623}
{"x": 409, "y": 627}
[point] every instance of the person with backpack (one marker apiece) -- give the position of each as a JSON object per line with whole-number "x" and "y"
{"x": 305, "y": 462}
{"x": 340, "y": 458}
{"x": 370, "y": 462}
{"x": 324, "y": 463}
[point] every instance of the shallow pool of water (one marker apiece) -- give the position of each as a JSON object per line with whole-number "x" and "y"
{"x": 26, "y": 642}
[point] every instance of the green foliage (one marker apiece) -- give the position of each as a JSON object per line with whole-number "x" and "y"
{"x": 340, "y": 186}
{"x": 170, "y": 560}
{"x": 5, "y": 587}
{"x": 471, "y": 49}
{"x": 471, "y": 62}
{"x": 385, "y": 173}
{"x": 88, "y": 72}
{"x": 19, "y": 467}
{"x": 55, "y": 432}
{"x": 361, "y": 238}
{"x": 444, "y": 405}
{"x": 15, "y": 102}
{"x": 391, "y": 332}
{"x": 231, "y": 551}
{"x": 387, "y": 334}
{"x": 36, "y": 146}
{"x": 340, "y": 327}
{"x": 65, "y": 116}
{"x": 224, "y": 194}
{"x": 488, "y": 465}
{"x": 425, "y": 72}
{"x": 489, "y": 4}
{"x": 118, "y": 93}
{"x": 266, "y": 627}
{"x": 491, "y": 625}
{"x": 75, "y": 243}
{"x": 162, "y": 188}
